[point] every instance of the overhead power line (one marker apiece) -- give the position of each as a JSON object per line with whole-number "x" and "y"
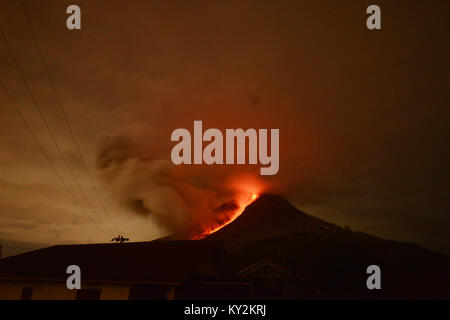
{"x": 66, "y": 119}
{"x": 41, "y": 148}
{"x": 44, "y": 120}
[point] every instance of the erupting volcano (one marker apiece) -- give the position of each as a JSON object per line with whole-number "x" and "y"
{"x": 323, "y": 260}
{"x": 228, "y": 218}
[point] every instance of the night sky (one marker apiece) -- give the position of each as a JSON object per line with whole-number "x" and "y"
{"x": 363, "y": 115}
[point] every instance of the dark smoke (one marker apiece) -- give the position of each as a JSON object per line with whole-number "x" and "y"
{"x": 179, "y": 199}
{"x": 138, "y": 206}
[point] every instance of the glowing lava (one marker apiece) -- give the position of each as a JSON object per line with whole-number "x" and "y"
{"x": 242, "y": 204}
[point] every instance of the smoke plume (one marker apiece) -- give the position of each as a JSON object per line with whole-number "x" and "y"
{"x": 184, "y": 201}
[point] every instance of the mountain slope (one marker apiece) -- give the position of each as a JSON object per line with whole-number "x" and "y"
{"x": 327, "y": 261}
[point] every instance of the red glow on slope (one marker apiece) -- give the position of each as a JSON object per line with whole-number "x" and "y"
{"x": 243, "y": 203}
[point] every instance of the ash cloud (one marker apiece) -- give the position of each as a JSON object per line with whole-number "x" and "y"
{"x": 150, "y": 186}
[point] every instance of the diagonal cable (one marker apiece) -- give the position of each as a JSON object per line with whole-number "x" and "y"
{"x": 66, "y": 120}
{"x": 36, "y": 105}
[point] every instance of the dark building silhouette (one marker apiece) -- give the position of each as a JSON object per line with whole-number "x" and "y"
{"x": 271, "y": 251}
{"x": 139, "y": 270}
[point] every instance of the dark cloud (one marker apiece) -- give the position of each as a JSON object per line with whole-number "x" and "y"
{"x": 363, "y": 116}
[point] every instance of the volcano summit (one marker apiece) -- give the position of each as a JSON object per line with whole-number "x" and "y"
{"x": 324, "y": 260}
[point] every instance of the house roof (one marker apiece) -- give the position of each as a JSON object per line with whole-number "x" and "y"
{"x": 261, "y": 264}
{"x": 142, "y": 262}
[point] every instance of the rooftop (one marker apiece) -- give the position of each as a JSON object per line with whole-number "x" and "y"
{"x": 143, "y": 262}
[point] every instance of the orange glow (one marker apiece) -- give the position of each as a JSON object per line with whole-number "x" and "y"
{"x": 246, "y": 189}
{"x": 244, "y": 202}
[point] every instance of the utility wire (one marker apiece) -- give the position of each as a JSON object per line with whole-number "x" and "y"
{"x": 47, "y": 125}
{"x": 41, "y": 148}
{"x": 66, "y": 120}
